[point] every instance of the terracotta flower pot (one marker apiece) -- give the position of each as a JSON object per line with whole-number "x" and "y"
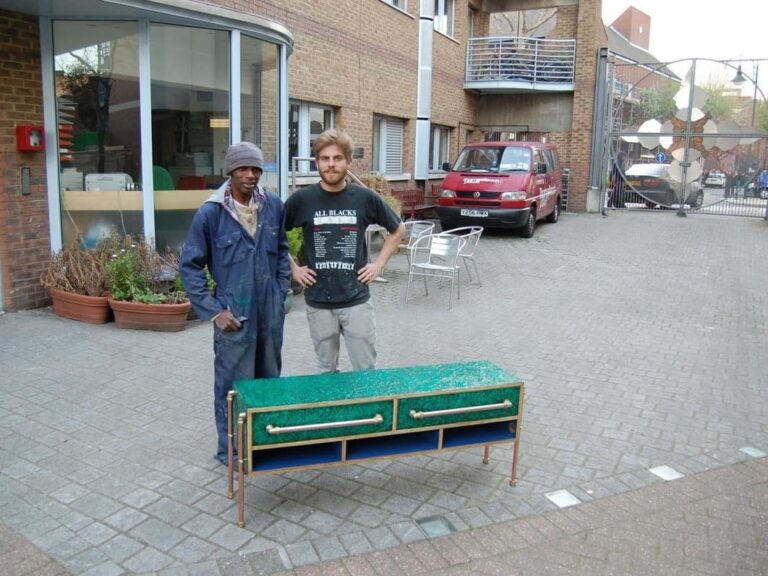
{"x": 91, "y": 309}
{"x": 158, "y": 317}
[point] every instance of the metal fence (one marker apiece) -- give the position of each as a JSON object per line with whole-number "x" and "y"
{"x": 683, "y": 145}
{"x": 524, "y": 59}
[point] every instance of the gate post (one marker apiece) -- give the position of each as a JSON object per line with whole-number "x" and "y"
{"x": 600, "y": 126}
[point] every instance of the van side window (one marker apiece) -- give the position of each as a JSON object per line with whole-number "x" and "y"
{"x": 540, "y": 159}
{"x": 552, "y": 160}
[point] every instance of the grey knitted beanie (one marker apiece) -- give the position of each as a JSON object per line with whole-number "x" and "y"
{"x": 243, "y": 154}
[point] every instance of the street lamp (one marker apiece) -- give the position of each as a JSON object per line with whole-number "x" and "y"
{"x": 739, "y": 79}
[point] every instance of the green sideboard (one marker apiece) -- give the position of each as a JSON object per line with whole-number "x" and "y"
{"x": 289, "y": 423}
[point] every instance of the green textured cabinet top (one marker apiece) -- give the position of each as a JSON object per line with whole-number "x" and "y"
{"x": 385, "y": 382}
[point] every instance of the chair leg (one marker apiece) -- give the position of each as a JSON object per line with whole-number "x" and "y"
{"x": 466, "y": 267}
{"x": 408, "y": 286}
{"x": 426, "y": 290}
{"x": 477, "y": 273}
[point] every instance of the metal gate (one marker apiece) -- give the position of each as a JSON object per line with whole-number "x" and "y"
{"x": 685, "y": 136}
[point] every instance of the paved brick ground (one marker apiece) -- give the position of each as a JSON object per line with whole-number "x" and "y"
{"x": 641, "y": 339}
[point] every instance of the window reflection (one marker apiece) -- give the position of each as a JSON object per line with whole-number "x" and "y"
{"x": 99, "y": 121}
{"x": 258, "y": 103}
{"x": 190, "y": 122}
{"x": 97, "y": 97}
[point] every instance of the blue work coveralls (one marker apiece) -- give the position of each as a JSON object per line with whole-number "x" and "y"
{"x": 252, "y": 275}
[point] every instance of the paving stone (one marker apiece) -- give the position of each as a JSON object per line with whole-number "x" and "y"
{"x": 301, "y": 553}
{"x": 125, "y": 519}
{"x": 329, "y": 548}
{"x": 170, "y": 511}
{"x": 356, "y": 542}
{"x": 121, "y": 547}
{"x": 148, "y": 560}
{"x": 231, "y": 537}
{"x": 192, "y": 550}
{"x": 629, "y": 406}
{"x": 157, "y": 533}
{"x": 203, "y": 525}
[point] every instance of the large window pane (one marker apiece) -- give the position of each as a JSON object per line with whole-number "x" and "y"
{"x": 190, "y": 120}
{"x": 307, "y": 121}
{"x": 97, "y": 97}
{"x": 259, "y": 103}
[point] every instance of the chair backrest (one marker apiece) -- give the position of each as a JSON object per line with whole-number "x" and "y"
{"x": 445, "y": 247}
{"x": 192, "y": 183}
{"x": 161, "y": 178}
{"x": 472, "y": 236}
{"x": 414, "y": 229}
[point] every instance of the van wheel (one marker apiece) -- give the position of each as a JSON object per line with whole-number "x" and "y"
{"x": 530, "y": 226}
{"x": 554, "y": 216}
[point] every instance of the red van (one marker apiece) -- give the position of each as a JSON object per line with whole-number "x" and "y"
{"x": 502, "y": 185}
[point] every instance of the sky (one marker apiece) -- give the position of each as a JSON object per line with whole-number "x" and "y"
{"x": 682, "y": 29}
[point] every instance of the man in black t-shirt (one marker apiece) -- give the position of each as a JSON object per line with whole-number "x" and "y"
{"x": 334, "y": 215}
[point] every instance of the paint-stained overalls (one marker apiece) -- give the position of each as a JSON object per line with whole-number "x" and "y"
{"x": 252, "y": 275}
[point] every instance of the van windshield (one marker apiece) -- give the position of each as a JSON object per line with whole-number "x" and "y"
{"x": 501, "y": 159}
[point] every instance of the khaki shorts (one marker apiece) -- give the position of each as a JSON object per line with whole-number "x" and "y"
{"x": 356, "y": 323}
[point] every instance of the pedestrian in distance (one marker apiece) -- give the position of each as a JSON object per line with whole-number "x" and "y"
{"x": 617, "y": 198}
{"x": 334, "y": 215}
{"x": 238, "y": 236}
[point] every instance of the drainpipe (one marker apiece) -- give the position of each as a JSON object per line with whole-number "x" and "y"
{"x": 424, "y": 90}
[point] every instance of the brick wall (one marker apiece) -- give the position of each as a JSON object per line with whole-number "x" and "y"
{"x": 24, "y": 237}
{"x": 363, "y": 62}
{"x": 590, "y": 37}
{"x": 366, "y": 63}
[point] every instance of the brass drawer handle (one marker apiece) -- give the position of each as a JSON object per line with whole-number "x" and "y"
{"x": 378, "y": 419}
{"x": 465, "y": 410}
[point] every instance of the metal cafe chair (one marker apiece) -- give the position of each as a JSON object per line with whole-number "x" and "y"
{"x": 436, "y": 256}
{"x": 414, "y": 229}
{"x": 472, "y": 235}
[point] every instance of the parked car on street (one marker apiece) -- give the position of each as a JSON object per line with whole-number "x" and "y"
{"x": 652, "y": 185}
{"x": 758, "y": 187}
{"x": 715, "y": 179}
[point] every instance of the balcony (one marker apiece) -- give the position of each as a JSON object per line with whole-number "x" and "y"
{"x": 513, "y": 64}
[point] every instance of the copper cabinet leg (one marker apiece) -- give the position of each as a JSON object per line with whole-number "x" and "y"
{"x": 513, "y": 477}
{"x": 518, "y": 432}
{"x": 230, "y": 447}
{"x": 240, "y": 474}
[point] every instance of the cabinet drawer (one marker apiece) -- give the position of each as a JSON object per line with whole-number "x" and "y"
{"x": 280, "y": 426}
{"x": 442, "y": 409}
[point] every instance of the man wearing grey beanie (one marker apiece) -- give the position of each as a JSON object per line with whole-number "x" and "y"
{"x": 238, "y": 235}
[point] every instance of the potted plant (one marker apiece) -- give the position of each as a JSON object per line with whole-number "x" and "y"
{"x": 76, "y": 281}
{"x": 145, "y": 289}
{"x": 378, "y": 183}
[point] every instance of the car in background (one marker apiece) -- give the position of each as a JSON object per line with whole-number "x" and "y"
{"x": 758, "y": 187}
{"x": 715, "y": 179}
{"x": 652, "y": 185}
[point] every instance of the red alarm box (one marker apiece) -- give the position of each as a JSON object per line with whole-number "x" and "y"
{"x": 30, "y": 138}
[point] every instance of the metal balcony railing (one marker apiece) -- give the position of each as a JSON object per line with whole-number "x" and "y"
{"x": 508, "y": 59}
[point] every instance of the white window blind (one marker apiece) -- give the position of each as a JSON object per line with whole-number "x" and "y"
{"x": 393, "y": 146}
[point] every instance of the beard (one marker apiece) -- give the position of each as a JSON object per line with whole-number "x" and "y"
{"x": 333, "y": 178}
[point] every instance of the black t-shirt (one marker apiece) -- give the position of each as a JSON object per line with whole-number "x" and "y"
{"x": 334, "y": 226}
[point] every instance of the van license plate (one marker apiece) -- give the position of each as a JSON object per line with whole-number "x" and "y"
{"x": 474, "y": 213}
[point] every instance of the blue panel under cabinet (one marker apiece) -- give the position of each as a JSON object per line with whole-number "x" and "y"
{"x": 389, "y": 445}
{"x": 479, "y": 434}
{"x": 296, "y": 456}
